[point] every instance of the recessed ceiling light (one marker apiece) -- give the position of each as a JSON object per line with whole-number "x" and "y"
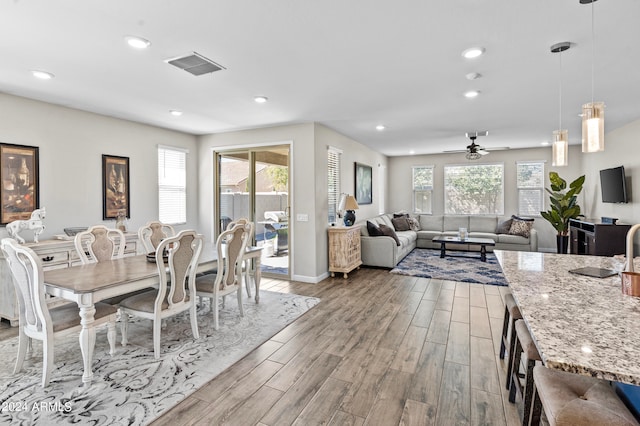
{"x": 473, "y": 52}
{"x": 380, "y": 127}
{"x": 261, "y": 99}
{"x": 545, "y": 143}
{"x": 471, "y": 94}
{"x": 175, "y": 112}
{"x": 42, "y": 75}
{"x": 137, "y": 42}
{"x": 412, "y": 152}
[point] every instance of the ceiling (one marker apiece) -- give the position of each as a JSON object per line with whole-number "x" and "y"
{"x": 349, "y": 65}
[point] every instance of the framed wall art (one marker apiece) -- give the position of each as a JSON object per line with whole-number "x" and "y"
{"x": 20, "y": 188}
{"x": 115, "y": 186}
{"x": 364, "y": 185}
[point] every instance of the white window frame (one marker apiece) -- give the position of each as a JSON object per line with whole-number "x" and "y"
{"x": 334, "y": 157}
{"x": 499, "y": 209}
{"x": 422, "y": 189}
{"x": 522, "y": 189}
{"x": 172, "y": 185}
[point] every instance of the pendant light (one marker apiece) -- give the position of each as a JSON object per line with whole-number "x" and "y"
{"x": 592, "y": 112}
{"x": 560, "y": 147}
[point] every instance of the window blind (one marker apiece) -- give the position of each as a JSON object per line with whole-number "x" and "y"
{"x": 172, "y": 185}
{"x": 333, "y": 181}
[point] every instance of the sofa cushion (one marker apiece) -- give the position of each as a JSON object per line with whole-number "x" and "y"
{"x": 373, "y": 229}
{"x": 483, "y": 224}
{"x": 428, "y": 235}
{"x": 430, "y": 222}
{"x": 521, "y": 227}
{"x": 389, "y": 232}
{"x": 487, "y": 235}
{"x": 504, "y": 226}
{"x": 385, "y": 219}
{"x": 453, "y": 223}
{"x": 414, "y": 224}
{"x": 512, "y": 239}
{"x": 407, "y": 237}
{"x": 400, "y": 223}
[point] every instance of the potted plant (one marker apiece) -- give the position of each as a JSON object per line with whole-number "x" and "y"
{"x": 564, "y": 206}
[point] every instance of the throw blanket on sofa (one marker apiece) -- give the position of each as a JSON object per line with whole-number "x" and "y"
{"x": 456, "y": 266}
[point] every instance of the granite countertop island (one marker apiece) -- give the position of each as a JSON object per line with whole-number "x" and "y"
{"x": 580, "y": 324}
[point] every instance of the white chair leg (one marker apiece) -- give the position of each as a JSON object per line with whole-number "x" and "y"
{"x": 47, "y": 361}
{"x": 224, "y": 300}
{"x": 211, "y": 304}
{"x": 240, "y": 307}
{"x": 247, "y": 284}
{"x": 194, "y": 322}
{"x": 111, "y": 337}
{"x": 23, "y": 342}
{"x": 157, "y": 325}
{"x": 215, "y": 314}
{"x": 124, "y": 327}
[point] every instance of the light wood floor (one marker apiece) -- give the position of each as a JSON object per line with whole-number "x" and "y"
{"x": 380, "y": 349}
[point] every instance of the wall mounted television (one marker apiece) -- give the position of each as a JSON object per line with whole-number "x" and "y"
{"x": 613, "y": 185}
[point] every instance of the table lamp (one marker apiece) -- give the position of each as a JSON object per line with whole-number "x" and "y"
{"x": 348, "y": 203}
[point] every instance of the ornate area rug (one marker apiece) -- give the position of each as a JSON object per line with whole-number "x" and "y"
{"x": 456, "y": 266}
{"x": 132, "y": 387}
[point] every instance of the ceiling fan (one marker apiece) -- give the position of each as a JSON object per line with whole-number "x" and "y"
{"x": 473, "y": 150}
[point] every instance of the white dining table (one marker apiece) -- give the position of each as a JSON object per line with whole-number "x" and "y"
{"x": 88, "y": 284}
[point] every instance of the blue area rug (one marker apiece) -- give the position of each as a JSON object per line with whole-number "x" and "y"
{"x": 456, "y": 266}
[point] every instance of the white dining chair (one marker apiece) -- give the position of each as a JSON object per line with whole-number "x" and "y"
{"x": 183, "y": 252}
{"x": 99, "y": 243}
{"x": 39, "y": 322}
{"x": 230, "y": 246}
{"x": 152, "y": 233}
{"x": 246, "y": 267}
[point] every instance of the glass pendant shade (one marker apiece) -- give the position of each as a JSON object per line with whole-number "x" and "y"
{"x": 593, "y": 127}
{"x": 560, "y": 148}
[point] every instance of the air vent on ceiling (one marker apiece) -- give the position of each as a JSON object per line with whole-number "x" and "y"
{"x": 195, "y": 64}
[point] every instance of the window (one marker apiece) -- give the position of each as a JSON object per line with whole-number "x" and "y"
{"x": 474, "y": 189}
{"x": 172, "y": 185}
{"x": 530, "y": 181}
{"x": 333, "y": 181}
{"x": 422, "y": 189}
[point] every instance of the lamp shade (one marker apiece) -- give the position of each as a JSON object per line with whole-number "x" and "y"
{"x": 350, "y": 203}
{"x": 560, "y": 148}
{"x": 593, "y": 127}
{"x": 342, "y": 203}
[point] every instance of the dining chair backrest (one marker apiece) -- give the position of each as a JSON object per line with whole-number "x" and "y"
{"x": 183, "y": 252}
{"x": 231, "y": 245}
{"x": 242, "y": 221}
{"x": 99, "y": 244}
{"x": 153, "y": 233}
{"x": 26, "y": 270}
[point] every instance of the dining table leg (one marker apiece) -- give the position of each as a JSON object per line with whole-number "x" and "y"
{"x": 87, "y": 338}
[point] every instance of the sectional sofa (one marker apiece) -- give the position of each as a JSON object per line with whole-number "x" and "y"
{"x": 385, "y": 252}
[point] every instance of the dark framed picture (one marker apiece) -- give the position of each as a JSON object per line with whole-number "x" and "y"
{"x": 20, "y": 189}
{"x": 115, "y": 186}
{"x": 364, "y": 184}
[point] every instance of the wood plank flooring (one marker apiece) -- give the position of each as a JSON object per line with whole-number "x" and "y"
{"x": 379, "y": 349}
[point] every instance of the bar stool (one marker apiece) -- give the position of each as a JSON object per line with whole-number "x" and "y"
{"x": 523, "y": 345}
{"x": 573, "y": 399}
{"x": 511, "y": 314}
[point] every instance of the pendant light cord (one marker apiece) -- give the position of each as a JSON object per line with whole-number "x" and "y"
{"x": 560, "y": 97}
{"x": 593, "y": 52}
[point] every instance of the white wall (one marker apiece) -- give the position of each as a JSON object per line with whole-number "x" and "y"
{"x": 621, "y": 149}
{"x": 308, "y": 245}
{"x": 400, "y": 189}
{"x": 71, "y": 144}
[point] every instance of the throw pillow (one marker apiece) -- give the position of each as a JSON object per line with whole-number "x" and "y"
{"x": 526, "y": 219}
{"x": 374, "y": 230}
{"x": 401, "y": 214}
{"x": 386, "y": 230}
{"x": 401, "y": 223}
{"x": 414, "y": 224}
{"x": 504, "y": 227}
{"x": 521, "y": 227}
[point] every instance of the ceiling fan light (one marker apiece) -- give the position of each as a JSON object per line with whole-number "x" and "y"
{"x": 560, "y": 148}
{"x": 593, "y": 127}
{"x": 473, "y": 155}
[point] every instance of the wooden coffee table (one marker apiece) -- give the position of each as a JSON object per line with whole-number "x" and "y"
{"x": 482, "y": 242}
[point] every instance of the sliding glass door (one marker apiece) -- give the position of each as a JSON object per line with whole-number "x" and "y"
{"x": 254, "y": 183}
